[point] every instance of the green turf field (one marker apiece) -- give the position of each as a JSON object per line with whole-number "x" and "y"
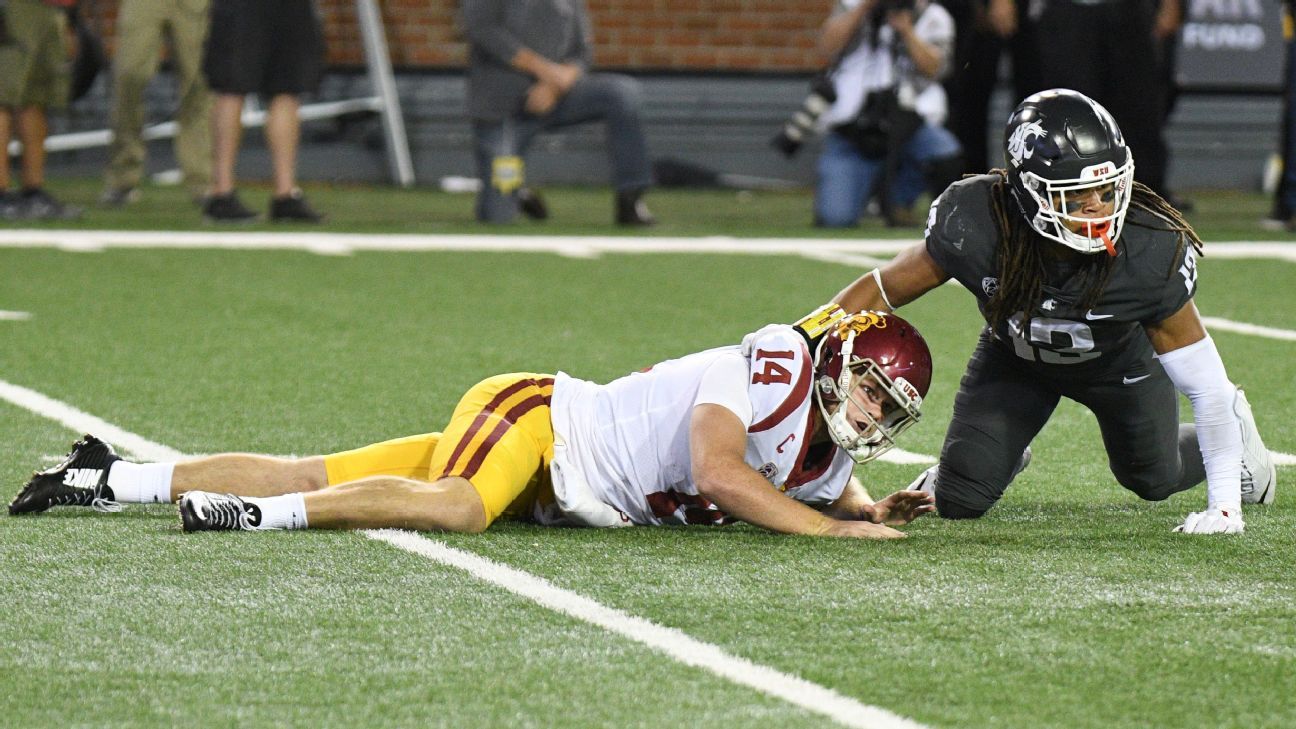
{"x": 1070, "y": 605}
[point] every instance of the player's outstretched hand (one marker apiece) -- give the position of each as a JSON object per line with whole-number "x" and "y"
{"x": 1215, "y": 520}
{"x": 901, "y": 507}
{"x": 862, "y": 530}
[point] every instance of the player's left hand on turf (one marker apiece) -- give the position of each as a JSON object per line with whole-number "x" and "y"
{"x": 1215, "y": 520}
{"x": 901, "y": 507}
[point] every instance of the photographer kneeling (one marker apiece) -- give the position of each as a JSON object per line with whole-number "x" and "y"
{"x": 884, "y": 132}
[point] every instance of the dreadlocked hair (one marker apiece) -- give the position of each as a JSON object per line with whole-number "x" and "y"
{"x": 1021, "y": 260}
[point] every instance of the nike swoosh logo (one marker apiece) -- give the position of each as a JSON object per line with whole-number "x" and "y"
{"x": 1094, "y": 317}
{"x": 1132, "y": 380}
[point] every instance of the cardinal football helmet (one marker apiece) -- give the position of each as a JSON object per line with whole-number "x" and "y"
{"x": 887, "y": 349}
{"x": 1060, "y": 146}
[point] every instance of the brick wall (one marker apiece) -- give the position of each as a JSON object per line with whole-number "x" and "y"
{"x": 693, "y": 35}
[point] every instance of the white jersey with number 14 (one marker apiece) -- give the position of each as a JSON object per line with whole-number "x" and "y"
{"x": 626, "y": 443}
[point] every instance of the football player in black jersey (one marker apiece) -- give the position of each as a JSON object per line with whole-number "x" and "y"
{"x": 1085, "y": 279}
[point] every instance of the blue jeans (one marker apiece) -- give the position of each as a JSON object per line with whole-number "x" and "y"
{"x": 611, "y": 98}
{"x": 847, "y": 178}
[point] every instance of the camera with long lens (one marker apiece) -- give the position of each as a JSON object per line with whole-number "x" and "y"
{"x": 795, "y": 130}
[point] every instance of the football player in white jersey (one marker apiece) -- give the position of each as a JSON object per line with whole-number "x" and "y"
{"x": 767, "y": 433}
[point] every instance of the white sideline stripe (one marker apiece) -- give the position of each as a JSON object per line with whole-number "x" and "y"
{"x": 904, "y": 457}
{"x": 674, "y": 643}
{"x": 1244, "y": 328}
{"x": 15, "y": 315}
{"x": 571, "y": 245}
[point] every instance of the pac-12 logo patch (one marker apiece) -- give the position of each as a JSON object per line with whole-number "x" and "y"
{"x": 768, "y": 471}
{"x": 1019, "y": 142}
{"x": 990, "y": 285}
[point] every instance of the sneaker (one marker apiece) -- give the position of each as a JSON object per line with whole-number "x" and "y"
{"x": 227, "y": 209}
{"x": 1259, "y": 475}
{"x": 1277, "y": 225}
{"x": 11, "y": 207}
{"x": 531, "y": 204}
{"x": 631, "y": 210}
{"x": 119, "y": 197}
{"x": 293, "y": 208}
{"x": 926, "y": 481}
{"x": 80, "y": 480}
{"x": 1022, "y": 464}
{"x": 203, "y": 511}
{"x": 40, "y": 205}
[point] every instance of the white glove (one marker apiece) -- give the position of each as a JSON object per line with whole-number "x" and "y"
{"x": 1215, "y": 520}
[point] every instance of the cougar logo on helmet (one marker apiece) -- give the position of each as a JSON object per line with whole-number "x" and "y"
{"x": 1061, "y": 146}
{"x": 1019, "y": 143}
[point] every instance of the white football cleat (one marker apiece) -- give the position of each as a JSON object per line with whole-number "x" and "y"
{"x": 1259, "y": 475}
{"x": 926, "y": 481}
{"x": 1215, "y": 520}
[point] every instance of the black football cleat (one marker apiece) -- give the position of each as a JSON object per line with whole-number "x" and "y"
{"x": 80, "y": 480}
{"x": 203, "y": 511}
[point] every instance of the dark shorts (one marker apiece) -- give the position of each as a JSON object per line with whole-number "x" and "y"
{"x": 269, "y": 47}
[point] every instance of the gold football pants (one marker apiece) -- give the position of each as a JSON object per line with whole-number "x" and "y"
{"x": 499, "y": 438}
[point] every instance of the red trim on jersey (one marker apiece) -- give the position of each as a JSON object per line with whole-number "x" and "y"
{"x": 794, "y": 399}
{"x": 799, "y": 474}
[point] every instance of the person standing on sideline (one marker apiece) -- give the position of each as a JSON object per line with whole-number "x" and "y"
{"x": 34, "y": 78}
{"x": 274, "y": 48}
{"x": 141, "y": 26}
{"x": 987, "y": 31}
{"x": 1110, "y": 51}
{"x": 1283, "y": 216}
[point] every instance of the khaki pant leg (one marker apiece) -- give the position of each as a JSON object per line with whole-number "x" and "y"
{"x": 139, "y": 43}
{"x": 193, "y": 145}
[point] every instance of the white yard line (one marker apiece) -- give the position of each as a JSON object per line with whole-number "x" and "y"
{"x": 673, "y": 643}
{"x": 14, "y": 315}
{"x": 690, "y": 651}
{"x": 83, "y": 422}
{"x": 1226, "y": 325}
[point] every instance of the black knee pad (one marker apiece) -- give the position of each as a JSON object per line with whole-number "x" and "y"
{"x": 949, "y": 509}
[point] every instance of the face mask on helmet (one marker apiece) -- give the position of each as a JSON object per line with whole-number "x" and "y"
{"x": 1061, "y": 204}
{"x": 846, "y": 376}
{"x": 1070, "y": 170}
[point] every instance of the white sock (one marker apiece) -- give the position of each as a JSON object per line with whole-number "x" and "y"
{"x": 141, "y": 483}
{"x": 280, "y": 512}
